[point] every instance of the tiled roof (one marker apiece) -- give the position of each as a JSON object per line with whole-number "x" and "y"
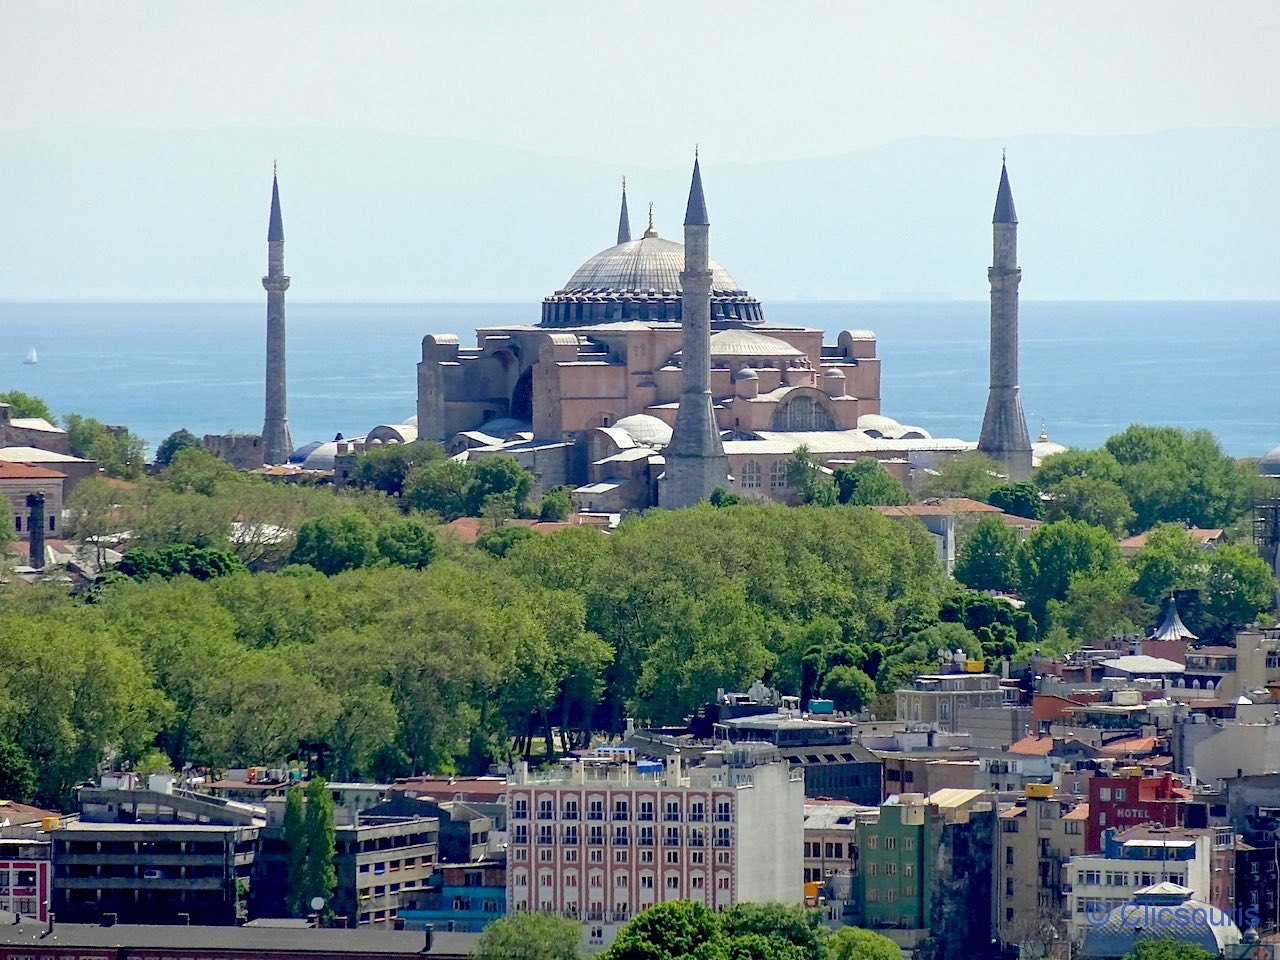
{"x": 1033, "y": 746}
{"x": 26, "y": 471}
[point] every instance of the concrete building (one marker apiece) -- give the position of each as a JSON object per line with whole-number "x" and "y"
{"x": 31, "y": 432}
{"x": 26, "y": 874}
{"x": 1037, "y": 836}
{"x": 461, "y": 897}
{"x": 1127, "y": 797}
{"x": 18, "y": 481}
{"x": 831, "y": 857}
{"x": 1004, "y": 434}
{"x": 924, "y": 872}
{"x": 599, "y": 840}
{"x": 1202, "y": 860}
{"x": 276, "y": 441}
{"x": 935, "y": 698}
{"x": 835, "y": 767}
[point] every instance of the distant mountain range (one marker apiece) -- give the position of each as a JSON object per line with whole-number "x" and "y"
{"x": 1191, "y": 214}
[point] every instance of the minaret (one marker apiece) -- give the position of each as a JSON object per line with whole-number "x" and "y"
{"x": 624, "y": 218}
{"x": 695, "y": 460}
{"x": 276, "y": 442}
{"x": 1004, "y": 434}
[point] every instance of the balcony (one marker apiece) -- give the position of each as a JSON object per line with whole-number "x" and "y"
{"x": 645, "y": 815}
{"x": 595, "y": 814}
{"x": 621, "y": 815}
{"x": 697, "y": 816}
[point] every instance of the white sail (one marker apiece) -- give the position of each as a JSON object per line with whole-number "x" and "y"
{"x": 31, "y": 356}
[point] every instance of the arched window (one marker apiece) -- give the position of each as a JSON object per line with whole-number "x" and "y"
{"x": 777, "y": 475}
{"x": 751, "y": 475}
{"x": 801, "y": 413}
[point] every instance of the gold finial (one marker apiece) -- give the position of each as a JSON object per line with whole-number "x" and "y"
{"x": 651, "y": 232}
{"x": 1002, "y": 156}
{"x": 624, "y": 183}
{"x": 695, "y": 151}
{"x": 1044, "y": 437}
{"x": 273, "y": 169}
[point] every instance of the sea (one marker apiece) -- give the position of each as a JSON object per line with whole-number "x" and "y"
{"x": 1088, "y": 369}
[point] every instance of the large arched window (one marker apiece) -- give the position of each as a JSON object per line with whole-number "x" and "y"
{"x": 777, "y": 475}
{"x": 801, "y": 413}
{"x": 751, "y": 475}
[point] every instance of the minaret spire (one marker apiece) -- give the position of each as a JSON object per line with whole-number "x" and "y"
{"x": 624, "y": 218}
{"x": 1004, "y": 427}
{"x": 276, "y": 442}
{"x": 695, "y": 461}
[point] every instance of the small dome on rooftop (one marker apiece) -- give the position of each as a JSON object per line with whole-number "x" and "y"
{"x": 834, "y": 373}
{"x": 746, "y": 373}
{"x": 646, "y": 429}
{"x": 1269, "y": 465}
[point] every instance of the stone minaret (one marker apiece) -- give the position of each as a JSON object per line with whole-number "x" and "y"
{"x": 695, "y": 460}
{"x": 624, "y": 218}
{"x": 1004, "y": 428}
{"x": 276, "y": 442}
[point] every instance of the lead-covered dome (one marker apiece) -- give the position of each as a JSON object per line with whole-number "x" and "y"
{"x": 1269, "y": 465}
{"x": 650, "y": 263}
{"x": 640, "y": 280}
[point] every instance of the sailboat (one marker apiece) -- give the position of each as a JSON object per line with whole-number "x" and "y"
{"x": 31, "y": 356}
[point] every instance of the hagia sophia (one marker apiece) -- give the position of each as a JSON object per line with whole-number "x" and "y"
{"x": 651, "y": 380}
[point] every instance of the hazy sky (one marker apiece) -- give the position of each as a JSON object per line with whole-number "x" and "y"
{"x": 642, "y": 81}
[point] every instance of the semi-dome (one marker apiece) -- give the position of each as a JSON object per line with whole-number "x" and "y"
{"x": 645, "y": 428}
{"x": 1269, "y": 465}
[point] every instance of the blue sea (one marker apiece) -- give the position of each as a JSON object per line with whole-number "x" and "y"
{"x": 1088, "y": 368}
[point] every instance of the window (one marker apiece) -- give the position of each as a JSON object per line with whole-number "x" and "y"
{"x": 571, "y": 834}
{"x": 722, "y": 883}
{"x": 891, "y": 843}
{"x": 544, "y": 834}
{"x": 620, "y": 881}
{"x": 673, "y": 810}
{"x": 1120, "y": 793}
{"x": 544, "y": 880}
{"x": 1089, "y": 877}
{"x": 646, "y": 836}
{"x": 597, "y": 856}
{"x": 1008, "y": 886}
{"x": 777, "y": 475}
{"x": 695, "y": 882}
{"x": 802, "y": 413}
{"x": 646, "y": 810}
{"x": 597, "y": 880}
{"x": 724, "y": 837}
{"x": 620, "y": 836}
{"x": 571, "y": 856}
{"x": 872, "y": 842}
{"x": 723, "y": 814}
{"x": 570, "y": 809}
{"x": 646, "y": 856}
{"x": 520, "y": 833}
{"x": 646, "y": 881}
{"x": 1008, "y": 856}
{"x": 544, "y": 855}
{"x": 908, "y": 843}
{"x": 596, "y": 837}
{"x": 751, "y": 475}
{"x": 545, "y": 809}
{"x": 621, "y": 809}
{"x": 595, "y": 810}
{"x": 619, "y": 856}
{"x": 697, "y": 857}
{"x": 1104, "y": 793}
{"x": 520, "y": 809}
{"x": 672, "y": 839}
{"x": 673, "y": 856}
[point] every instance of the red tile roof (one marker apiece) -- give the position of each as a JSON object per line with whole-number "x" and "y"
{"x": 27, "y": 471}
{"x": 1033, "y": 746}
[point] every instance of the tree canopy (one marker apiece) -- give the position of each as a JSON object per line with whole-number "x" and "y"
{"x": 23, "y": 406}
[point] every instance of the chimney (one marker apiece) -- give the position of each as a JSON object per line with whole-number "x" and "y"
{"x": 35, "y": 529}
{"x": 428, "y": 930}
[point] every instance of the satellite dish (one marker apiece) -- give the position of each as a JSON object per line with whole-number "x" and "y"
{"x": 317, "y": 903}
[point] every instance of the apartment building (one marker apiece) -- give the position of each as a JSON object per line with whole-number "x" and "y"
{"x": 25, "y": 875}
{"x": 831, "y": 857}
{"x": 600, "y": 840}
{"x": 938, "y": 698}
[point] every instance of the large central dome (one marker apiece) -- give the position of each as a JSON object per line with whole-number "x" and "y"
{"x": 640, "y": 280}
{"x": 639, "y": 266}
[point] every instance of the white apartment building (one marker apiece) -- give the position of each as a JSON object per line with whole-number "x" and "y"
{"x": 601, "y": 839}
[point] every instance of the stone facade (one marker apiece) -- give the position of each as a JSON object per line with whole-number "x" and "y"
{"x": 244, "y": 451}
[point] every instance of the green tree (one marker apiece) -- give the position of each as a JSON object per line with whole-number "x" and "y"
{"x": 410, "y": 542}
{"x": 811, "y": 483}
{"x": 117, "y": 451}
{"x": 1101, "y": 503}
{"x": 174, "y": 444}
{"x": 1167, "y": 948}
{"x": 152, "y": 763}
{"x": 23, "y": 406}
{"x": 202, "y": 563}
{"x": 319, "y": 876}
{"x": 674, "y": 930}
{"x": 502, "y": 539}
{"x": 1239, "y": 585}
{"x": 335, "y": 543}
{"x": 867, "y": 483}
{"x": 848, "y": 687}
{"x": 386, "y": 467}
{"x": 440, "y": 487}
{"x": 973, "y": 475}
{"x": 17, "y": 776}
{"x": 1168, "y": 561}
{"x": 530, "y": 936}
{"x": 1175, "y": 475}
{"x": 97, "y": 513}
{"x": 1095, "y": 464}
{"x": 1020, "y": 499}
{"x": 987, "y": 558}
{"x": 1098, "y": 606}
{"x": 1055, "y": 553}
{"x": 499, "y": 476}
{"x": 295, "y": 839}
{"x": 854, "y": 943}
{"x": 720, "y": 497}
{"x": 800, "y": 927}
{"x": 557, "y": 504}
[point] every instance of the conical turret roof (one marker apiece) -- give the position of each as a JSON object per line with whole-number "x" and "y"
{"x": 1004, "y": 200}
{"x": 275, "y": 229}
{"x": 624, "y": 218}
{"x": 1172, "y": 628}
{"x": 695, "y": 214}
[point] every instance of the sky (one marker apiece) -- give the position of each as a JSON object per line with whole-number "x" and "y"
{"x": 748, "y": 80}
{"x": 850, "y": 149}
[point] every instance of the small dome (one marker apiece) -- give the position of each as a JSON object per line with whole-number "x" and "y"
{"x": 304, "y": 451}
{"x": 646, "y": 429}
{"x": 1181, "y": 918}
{"x": 1269, "y": 465}
{"x": 834, "y": 373}
{"x": 746, "y": 373}
{"x": 321, "y": 458}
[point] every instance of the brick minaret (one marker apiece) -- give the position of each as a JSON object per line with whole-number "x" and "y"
{"x": 276, "y": 442}
{"x": 35, "y": 529}
{"x": 695, "y": 460}
{"x": 1004, "y": 427}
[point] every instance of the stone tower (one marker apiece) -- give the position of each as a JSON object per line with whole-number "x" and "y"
{"x": 695, "y": 460}
{"x": 1004, "y": 434}
{"x": 276, "y": 442}
{"x": 624, "y": 218}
